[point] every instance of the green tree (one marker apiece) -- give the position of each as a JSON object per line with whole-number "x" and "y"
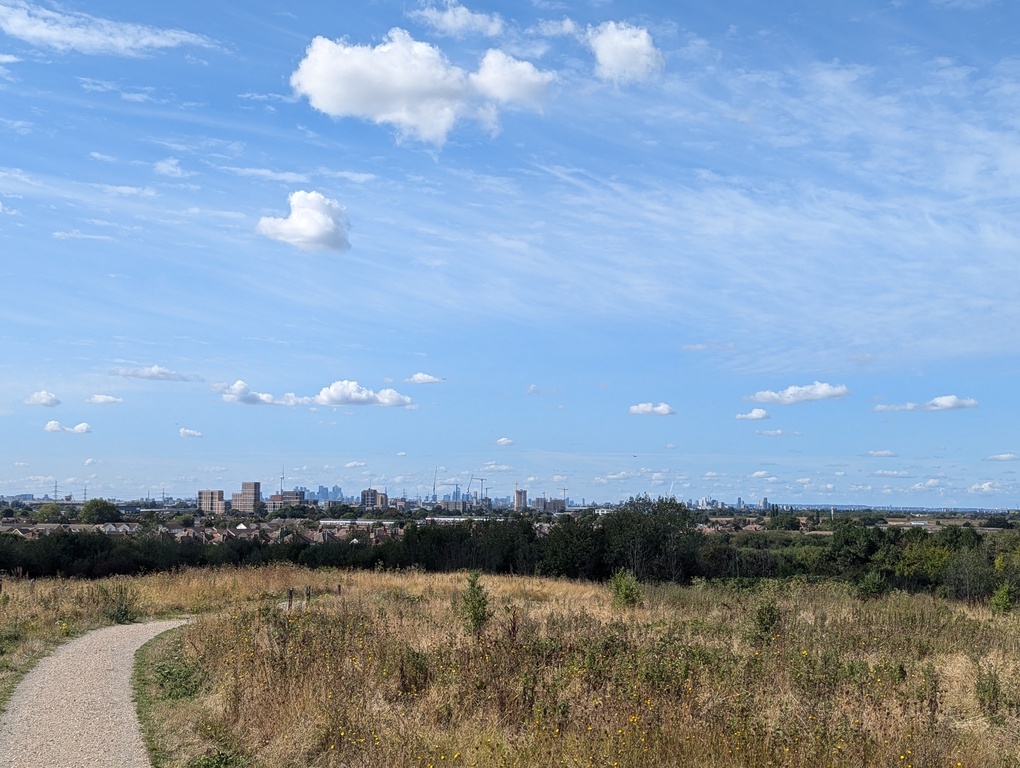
{"x": 49, "y": 512}
{"x": 99, "y": 511}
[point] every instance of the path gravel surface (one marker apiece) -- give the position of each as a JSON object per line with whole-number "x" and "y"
{"x": 75, "y": 709}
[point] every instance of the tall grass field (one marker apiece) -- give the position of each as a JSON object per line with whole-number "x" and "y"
{"x": 414, "y": 669}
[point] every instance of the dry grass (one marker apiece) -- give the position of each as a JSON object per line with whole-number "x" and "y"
{"x": 383, "y": 672}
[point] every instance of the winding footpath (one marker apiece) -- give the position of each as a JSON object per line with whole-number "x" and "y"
{"x": 75, "y": 708}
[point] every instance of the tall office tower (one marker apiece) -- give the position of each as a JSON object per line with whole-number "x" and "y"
{"x": 520, "y": 500}
{"x": 245, "y": 501}
{"x": 212, "y": 502}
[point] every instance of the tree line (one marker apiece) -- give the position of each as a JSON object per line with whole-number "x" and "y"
{"x": 655, "y": 540}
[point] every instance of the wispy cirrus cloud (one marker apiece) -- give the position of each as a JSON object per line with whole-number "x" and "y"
{"x": 152, "y": 372}
{"x": 43, "y": 398}
{"x": 84, "y": 33}
{"x": 650, "y": 409}
{"x": 339, "y": 393}
{"x": 77, "y": 429}
{"x": 941, "y": 403}
{"x": 792, "y": 395}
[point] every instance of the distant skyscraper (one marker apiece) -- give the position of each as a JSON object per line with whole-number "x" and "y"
{"x": 520, "y": 500}
{"x": 245, "y": 501}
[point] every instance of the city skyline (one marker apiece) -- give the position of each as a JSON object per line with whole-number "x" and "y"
{"x": 722, "y": 250}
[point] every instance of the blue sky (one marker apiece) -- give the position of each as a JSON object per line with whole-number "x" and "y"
{"x": 709, "y": 249}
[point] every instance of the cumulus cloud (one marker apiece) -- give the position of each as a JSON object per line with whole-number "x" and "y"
{"x": 315, "y": 223}
{"x": 423, "y": 378}
{"x": 104, "y": 400}
{"x": 792, "y": 395}
{"x": 881, "y": 454}
{"x": 153, "y": 372}
{"x": 90, "y": 462}
{"x": 504, "y": 441}
{"x": 986, "y": 487}
{"x": 411, "y": 85}
{"x": 761, "y": 474}
{"x": 338, "y": 393}
{"x": 755, "y": 414}
{"x": 624, "y": 53}
{"x": 185, "y": 432}
{"x": 941, "y": 403}
{"x": 354, "y": 464}
{"x": 456, "y": 20}
{"x": 77, "y": 429}
{"x": 508, "y": 80}
{"x": 648, "y": 409}
{"x": 1003, "y": 457}
{"x": 88, "y": 34}
{"x": 351, "y": 393}
{"x": 42, "y": 397}
{"x": 889, "y": 473}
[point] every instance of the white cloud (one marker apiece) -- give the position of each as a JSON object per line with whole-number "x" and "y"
{"x": 77, "y": 429}
{"x": 171, "y": 166}
{"x": 761, "y": 474}
{"x": 88, "y": 34}
{"x": 624, "y": 53}
{"x": 561, "y": 28}
{"x": 315, "y": 223}
{"x": 456, "y": 20}
{"x": 881, "y": 454}
{"x": 890, "y": 473}
{"x": 90, "y": 462}
{"x": 423, "y": 378}
{"x": 124, "y": 190}
{"x": 941, "y": 403}
{"x": 288, "y": 177}
{"x": 185, "y": 432}
{"x": 42, "y": 397}
{"x": 770, "y": 432}
{"x": 504, "y": 441}
{"x": 351, "y": 393}
{"x": 76, "y": 234}
{"x": 507, "y": 80}
{"x": 104, "y": 400}
{"x": 646, "y": 409}
{"x": 755, "y": 414}
{"x": 336, "y": 394}
{"x": 987, "y": 487}
{"x": 1003, "y": 457}
{"x": 153, "y": 372}
{"x": 410, "y": 85}
{"x": 354, "y": 464}
{"x": 792, "y": 395}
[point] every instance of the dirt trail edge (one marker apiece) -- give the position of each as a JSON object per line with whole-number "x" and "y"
{"x": 75, "y": 708}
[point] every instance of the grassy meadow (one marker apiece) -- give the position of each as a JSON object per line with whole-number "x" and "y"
{"x": 384, "y": 669}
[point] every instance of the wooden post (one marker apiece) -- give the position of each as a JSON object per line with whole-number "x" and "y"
{"x": 308, "y": 594}
{"x": 290, "y": 598}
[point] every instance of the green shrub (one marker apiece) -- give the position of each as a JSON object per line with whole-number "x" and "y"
{"x": 474, "y": 605}
{"x": 625, "y": 588}
{"x": 1003, "y": 600}
{"x": 766, "y": 620}
{"x": 871, "y": 585}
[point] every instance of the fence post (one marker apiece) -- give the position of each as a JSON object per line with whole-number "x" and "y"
{"x": 308, "y": 594}
{"x": 290, "y": 598}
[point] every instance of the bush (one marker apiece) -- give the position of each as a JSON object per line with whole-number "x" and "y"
{"x": 872, "y": 585}
{"x": 474, "y": 606}
{"x": 625, "y": 588}
{"x": 1003, "y": 600}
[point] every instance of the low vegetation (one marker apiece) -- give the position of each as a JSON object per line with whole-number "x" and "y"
{"x": 386, "y": 668}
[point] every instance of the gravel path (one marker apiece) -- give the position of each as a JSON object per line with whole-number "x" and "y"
{"x": 75, "y": 708}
